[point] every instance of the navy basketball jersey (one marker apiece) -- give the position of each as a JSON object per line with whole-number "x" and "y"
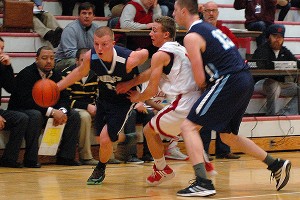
{"x": 110, "y": 74}
{"x": 221, "y": 57}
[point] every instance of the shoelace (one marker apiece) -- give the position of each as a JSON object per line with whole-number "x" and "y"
{"x": 275, "y": 175}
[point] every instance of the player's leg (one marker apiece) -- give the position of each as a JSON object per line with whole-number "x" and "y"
{"x": 193, "y": 143}
{"x": 161, "y": 171}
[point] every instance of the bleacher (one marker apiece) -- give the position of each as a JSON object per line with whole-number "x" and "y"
{"x": 22, "y": 47}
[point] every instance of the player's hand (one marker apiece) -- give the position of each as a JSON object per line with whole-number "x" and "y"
{"x": 123, "y": 87}
{"x": 133, "y": 96}
{"x": 140, "y": 107}
{"x": 59, "y": 118}
{"x": 4, "y": 59}
{"x": 2, "y": 123}
{"x": 92, "y": 109}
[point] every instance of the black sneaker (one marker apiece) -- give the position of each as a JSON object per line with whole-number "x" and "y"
{"x": 199, "y": 188}
{"x": 134, "y": 160}
{"x": 97, "y": 177}
{"x": 280, "y": 170}
{"x": 147, "y": 158}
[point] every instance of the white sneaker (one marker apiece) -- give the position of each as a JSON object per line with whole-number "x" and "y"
{"x": 175, "y": 154}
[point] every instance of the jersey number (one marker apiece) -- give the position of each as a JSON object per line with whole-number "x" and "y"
{"x": 223, "y": 39}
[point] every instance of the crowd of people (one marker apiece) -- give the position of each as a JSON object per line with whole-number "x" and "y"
{"x": 100, "y": 88}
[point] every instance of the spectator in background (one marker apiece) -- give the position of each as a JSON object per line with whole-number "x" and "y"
{"x": 295, "y": 3}
{"x": 138, "y": 14}
{"x": 116, "y": 7}
{"x": 83, "y": 95}
{"x": 68, "y": 6}
{"x": 21, "y": 100}
{"x": 14, "y": 121}
{"x": 284, "y": 6}
{"x": 273, "y": 87}
{"x": 46, "y": 25}
{"x": 167, "y": 7}
{"x": 76, "y": 35}
{"x": 259, "y": 16}
{"x": 210, "y": 15}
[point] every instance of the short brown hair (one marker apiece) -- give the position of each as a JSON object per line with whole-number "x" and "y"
{"x": 104, "y": 30}
{"x": 190, "y": 5}
{"x": 168, "y": 25}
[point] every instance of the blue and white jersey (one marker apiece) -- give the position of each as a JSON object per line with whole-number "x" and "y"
{"x": 216, "y": 61}
{"x": 110, "y": 74}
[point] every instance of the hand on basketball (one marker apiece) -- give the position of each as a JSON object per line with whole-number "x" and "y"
{"x": 59, "y": 118}
{"x": 133, "y": 96}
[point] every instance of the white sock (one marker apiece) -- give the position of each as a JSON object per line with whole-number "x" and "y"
{"x": 160, "y": 163}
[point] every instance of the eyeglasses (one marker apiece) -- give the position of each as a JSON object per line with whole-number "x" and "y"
{"x": 211, "y": 10}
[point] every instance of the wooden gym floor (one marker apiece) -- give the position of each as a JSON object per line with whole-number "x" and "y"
{"x": 244, "y": 179}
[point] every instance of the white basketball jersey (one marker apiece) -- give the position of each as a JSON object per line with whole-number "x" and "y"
{"x": 180, "y": 80}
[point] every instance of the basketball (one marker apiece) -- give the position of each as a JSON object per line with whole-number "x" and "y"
{"x": 45, "y": 93}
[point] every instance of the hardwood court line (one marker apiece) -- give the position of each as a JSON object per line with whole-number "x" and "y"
{"x": 255, "y": 196}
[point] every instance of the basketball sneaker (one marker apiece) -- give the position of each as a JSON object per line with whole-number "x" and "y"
{"x": 199, "y": 188}
{"x": 175, "y": 154}
{"x": 280, "y": 171}
{"x": 209, "y": 167}
{"x": 159, "y": 176}
{"x": 97, "y": 177}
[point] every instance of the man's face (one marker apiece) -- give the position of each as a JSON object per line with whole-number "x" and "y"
{"x": 157, "y": 35}
{"x": 211, "y": 13}
{"x": 45, "y": 61}
{"x": 148, "y": 3}
{"x": 1, "y": 47}
{"x": 86, "y": 17}
{"x": 177, "y": 14}
{"x": 104, "y": 47}
{"x": 276, "y": 41}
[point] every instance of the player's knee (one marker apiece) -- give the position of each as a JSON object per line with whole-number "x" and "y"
{"x": 228, "y": 138}
{"x": 188, "y": 126}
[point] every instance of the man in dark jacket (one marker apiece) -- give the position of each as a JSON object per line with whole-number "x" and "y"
{"x": 272, "y": 88}
{"x": 22, "y": 100}
{"x": 15, "y": 122}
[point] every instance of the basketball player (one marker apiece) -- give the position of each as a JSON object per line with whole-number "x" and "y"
{"x": 171, "y": 72}
{"x": 112, "y": 64}
{"x": 219, "y": 69}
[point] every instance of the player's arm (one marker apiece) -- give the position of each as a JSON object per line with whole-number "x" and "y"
{"x": 136, "y": 58}
{"x": 123, "y": 87}
{"x": 77, "y": 73}
{"x": 194, "y": 45}
{"x": 158, "y": 61}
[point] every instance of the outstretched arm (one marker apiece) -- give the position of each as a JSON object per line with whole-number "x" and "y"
{"x": 158, "y": 61}
{"x": 77, "y": 73}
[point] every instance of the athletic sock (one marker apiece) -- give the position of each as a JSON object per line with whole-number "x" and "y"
{"x": 160, "y": 163}
{"x": 200, "y": 170}
{"x": 269, "y": 160}
{"x": 101, "y": 165}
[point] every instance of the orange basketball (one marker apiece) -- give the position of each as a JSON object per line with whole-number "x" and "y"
{"x": 45, "y": 93}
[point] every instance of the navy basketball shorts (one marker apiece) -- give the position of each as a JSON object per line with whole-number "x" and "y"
{"x": 222, "y": 106}
{"x": 114, "y": 115}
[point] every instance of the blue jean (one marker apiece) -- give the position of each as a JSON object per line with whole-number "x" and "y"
{"x": 259, "y": 26}
{"x": 272, "y": 89}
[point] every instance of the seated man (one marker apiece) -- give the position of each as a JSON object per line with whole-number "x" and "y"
{"x": 45, "y": 24}
{"x": 83, "y": 95}
{"x": 15, "y": 122}
{"x": 21, "y": 100}
{"x": 272, "y": 88}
